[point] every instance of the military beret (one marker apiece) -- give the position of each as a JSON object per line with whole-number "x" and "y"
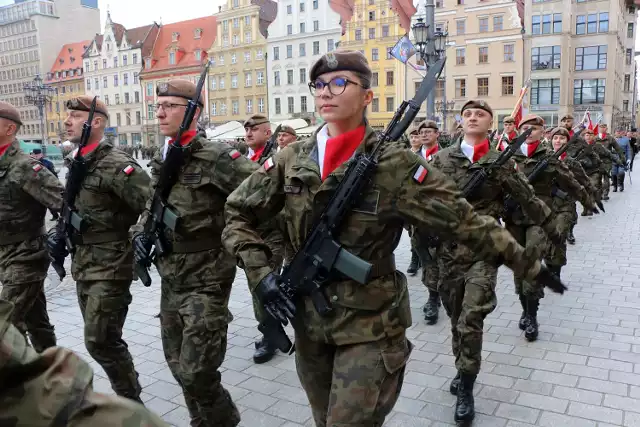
{"x": 180, "y": 88}
{"x": 413, "y": 130}
{"x": 567, "y": 117}
{"x": 256, "y": 119}
{"x": 342, "y": 60}
{"x": 9, "y": 112}
{"x": 476, "y": 103}
{"x": 288, "y": 129}
{"x": 508, "y": 119}
{"x": 560, "y": 131}
{"x": 587, "y": 130}
{"x": 83, "y": 103}
{"x": 531, "y": 119}
{"x": 429, "y": 124}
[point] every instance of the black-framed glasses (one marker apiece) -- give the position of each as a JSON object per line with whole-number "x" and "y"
{"x": 336, "y": 85}
{"x": 168, "y": 106}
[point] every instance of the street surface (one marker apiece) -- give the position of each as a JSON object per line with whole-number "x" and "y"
{"x": 584, "y": 370}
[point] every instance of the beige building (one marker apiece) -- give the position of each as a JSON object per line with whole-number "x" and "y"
{"x": 484, "y": 57}
{"x": 580, "y": 56}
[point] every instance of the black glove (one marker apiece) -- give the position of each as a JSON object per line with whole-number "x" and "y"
{"x": 275, "y": 302}
{"x": 550, "y": 280}
{"x": 141, "y": 248}
{"x": 600, "y": 206}
{"x": 55, "y": 244}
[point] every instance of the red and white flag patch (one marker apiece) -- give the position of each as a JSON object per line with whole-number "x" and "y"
{"x": 234, "y": 154}
{"x": 128, "y": 170}
{"x": 269, "y": 164}
{"x": 420, "y": 175}
{"x": 37, "y": 167}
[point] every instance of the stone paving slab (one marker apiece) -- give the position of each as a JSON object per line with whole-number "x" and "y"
{"x": 584, "y": 370}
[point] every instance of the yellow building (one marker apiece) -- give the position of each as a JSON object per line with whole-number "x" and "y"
{"x": 374, "y": 30}
{"x": 237, "y": 78}
{"x": 67, "y": 78}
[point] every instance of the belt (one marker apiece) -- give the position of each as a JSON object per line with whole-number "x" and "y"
{"x": 192, "y": 246}
{"x": 383, "y": 266}
{"x": 20, "y": 237}
{"x": 89, "y": 238}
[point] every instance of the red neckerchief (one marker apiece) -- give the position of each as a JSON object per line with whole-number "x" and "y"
{"x": 603, "y": 135}
{"x": 185, "y": 138}
{"x": 532, "y": 147}
{"x": 4, "y": 148}
{"x": 571, "y": 132}
{"x": 256, "y": 154}
{"x": 431, "y": 151}
{"x": 512, "y": 135}
{"x": 89, "y": 148}
{"x": 340, "y": 149}
{"x": 592, "y": 141}
{"x": 479, "y": 150}
{"x": 563, "y": 156}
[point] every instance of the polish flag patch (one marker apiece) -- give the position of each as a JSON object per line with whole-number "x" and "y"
{"x": 37, "y": 167}
{"x": 128, "y": 170}
{"x": 420, "y": 175}
{"x": 234, "y": 154}
{"x": 268, "y": 165}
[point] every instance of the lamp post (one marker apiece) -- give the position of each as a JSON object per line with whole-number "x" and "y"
{"x": 442, "y": 107}
{"x": 39, "y": 94}
{"x": 431, "y": 46}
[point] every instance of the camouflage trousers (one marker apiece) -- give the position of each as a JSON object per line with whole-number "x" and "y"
{"x": 534, "y": 241}
{"x": 30, "y": 314}
{"x": 596, "y": 181}
{"x": 557, "y": 253}
{"x": 353, "y": 385}
{"x": 193, "y": 325}
{"x": 104, "y": 306}
{"x": 606, "y": 181}
{"x": 468, "y": 296}
{"x": 430, "y": 269}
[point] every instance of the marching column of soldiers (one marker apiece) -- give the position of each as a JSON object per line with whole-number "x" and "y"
{"x": 469, "y": 208}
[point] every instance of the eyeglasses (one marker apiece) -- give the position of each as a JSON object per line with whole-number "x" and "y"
{"x": 337, "y": 86}
{"x": 168, "y": 106}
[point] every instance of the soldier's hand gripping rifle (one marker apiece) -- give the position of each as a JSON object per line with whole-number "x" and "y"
{"x": 60, "y": 239}
{"x": 161, "y": 215}
{"x": 321, "y": 254}
{"x": 266, "y": 153}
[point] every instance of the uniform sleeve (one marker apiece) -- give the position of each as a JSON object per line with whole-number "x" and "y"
{"x": 131, "y": 185}
{"x": 153, "y": 181}
{"x": 229, "y": 170}
{"x": 595, "y": 159}
{"x": 431, "y": 202}
{"x": 42, "y": 185}
{"x": 568, "y": 183}
{"x": 517, "y": 186}
{"x": 259, "y": 196}
{"x": 619, "y": 150}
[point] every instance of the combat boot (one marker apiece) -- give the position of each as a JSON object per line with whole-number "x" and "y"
{"x": 465, "y": 405}
{"x": 621, "y": 181}
{"x": 264, "y": 351}
{"x": 571, "y": 239}
{"x": 614, "y": 183}
{"x": 431, "y": 308}
{"x": 414, "y": 264}
{"x": 523, "y": 323}
{"x": 455, "y": 384}
{"x": 531, "y": 333}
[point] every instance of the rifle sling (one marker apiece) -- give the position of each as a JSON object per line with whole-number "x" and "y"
{"x": 12, "y": 239}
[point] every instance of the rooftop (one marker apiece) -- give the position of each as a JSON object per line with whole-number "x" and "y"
{"x": 69, "y": 59}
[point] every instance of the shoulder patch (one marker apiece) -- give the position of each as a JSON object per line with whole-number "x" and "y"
{"x": 234, "y": 154}
{"x": 37, "y": 167}
{"x": 128, "y": 170}
{"x": 420, "y": 175}
{"x": 269, "y": 164}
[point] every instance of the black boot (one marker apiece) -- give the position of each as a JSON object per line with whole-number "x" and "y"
{"x": 455, "y": 384}
{"x": 531, "y": 333}
{"x": 571, "y": 239}
{"x": 621, "y": 181}
{"x": 414, "y": 264}
{"x": 431, "y": 308}
{"x": 264, "y": 351}
{"x": 523, "y": 323}
{"x": 614, "y": 183}
{"x": 465, "y": 406}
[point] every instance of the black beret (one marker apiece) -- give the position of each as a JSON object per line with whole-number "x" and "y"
{"x": 255, "y": 120}
{"x": 560, "y": 131}
{"x": 83, "y": 103}
{"x": 477, "y": 103}
{"x": 531, "y": 119}
{"x": 429, "y": 124}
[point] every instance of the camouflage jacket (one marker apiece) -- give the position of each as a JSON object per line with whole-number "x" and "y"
{"x": 606, "y": 156}
{"x": 556, "y": 176}
{"x": 110, "y": 201}
{"x": 587, "y": 157}
{"x": 610, "y": 143}
{"x": 27, "y": 190}
{"x": 567, "y": 202}
{"x": 54, "y": 388}
{"x": 211, "y": 171}
{"x": 404, "y": 189}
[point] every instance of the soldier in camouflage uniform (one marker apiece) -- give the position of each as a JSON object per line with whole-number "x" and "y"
{"x": 468, "y": 281}
{"x": 110, "y": 200}
{"x": 616, "y": 157}
{"x": 351, "y": 365}
{"x": 507, "y": 135}
{"x": 196, "y": 273}
{"x": 602, "y": 154}
{"x": 524, "y": 228}
{"x": 27, "y": 190}
{"x": 54, "y": 388}
{"x": 286, "y": 136}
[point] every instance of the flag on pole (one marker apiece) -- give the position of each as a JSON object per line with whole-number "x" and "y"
{"x": 520, "y": 110}
{"x": 596, "y": 128}
{"x": 403, "y": 49}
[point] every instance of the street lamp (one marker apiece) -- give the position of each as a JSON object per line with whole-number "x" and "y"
{"x": 39, "y": 94}
{"x": 443, "y": 106}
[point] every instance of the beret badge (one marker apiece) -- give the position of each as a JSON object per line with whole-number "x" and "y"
{"x": 163, "y": 87}
{"x": 332, "y": 61}
{"x": 74, "y": 103}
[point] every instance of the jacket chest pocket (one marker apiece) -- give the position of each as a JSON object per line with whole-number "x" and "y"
{"x": 298, "y": 199}
{"x": 193, "y": 188}
{"x": 93, "y": 184}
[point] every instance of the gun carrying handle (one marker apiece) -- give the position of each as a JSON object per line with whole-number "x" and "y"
{"x": 353, "y": 267}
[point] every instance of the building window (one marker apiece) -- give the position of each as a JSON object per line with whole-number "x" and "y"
{"x": 136, "y": 97}
{"x": 588, "y": 91}
{"x": 483, "y": 25}
{"x": 591, "y": 58}
{"x": 374, "y": 79}
{"x": 630, "y": 30}
{"x": 289, "y": 77}
{"x": 115, "y": 62}
{"x": 628, "y": 56}
{"x": 136, "y": 78}
{"x": 627, "y": 82}
{"x": 151, "y": 111}
{"x": 88, "y": 84}
{"x": 276, "y": 53}
{"x": 260, "y": 105}
{"x": 234, "y": 58}
{"x": 440, "y": 88}
{"x": 289, "y": 9}
{"x": 214, "y": 83}
{"x": 221, "y": 59}
{"x": 260, "y": 77}
{"x": 247, "y": 79}
{"x": 358, "y": 34}
{"x": 390, "y": 104}
{"x": 545, "y": 92}
{"x": 316, "y": 48}
{"x": 483, "y": 86}
{"x": 105, "y": 82}
{"x": 149, "y": 89}
{"x": 249, "y": 106}
{"x": 303, "y": 104}
{"x": 483, "y": 55}
{"x": 625, "y": 105}
{"x": 118, "y": 119}
{"x": 498, "y": 23}
{"x": 507, "y": 85}
{"x": 301, "y": 6}
{"x": 259, "y": 54}
{"x": 509, "y": 52}
{"x": 375, "y": 105}
{"x": 236, "y": 23}
{"x": 86, "y": 63}
{"x": 289, "y": 51}
{"x": 235, "y": 107}
{"x": 223, "y": 108}
{"x": 221, "y": 84}
{"x": 460, "y": 56}
{"x": 374, "y": 54}
{"x": 372, "y": 15}
{"x": 289, "y": 29}
{"x": 389, "y": 78}
{"x": 460, "y": 26}
{"x": 290, "y": 104}
{"x": 214, "y": 108}
{"x": 546, "y": 24}
{"x": 104, "y": 64}
{"x": 302, "y": 49}
{"x": 234, "y": 81}
{"x": 545, "y": 58}
{"x": 276, "y": 78}
{"x": 247, "y": 56}
{"x": 461, "y": 88}
{"x": 592, "y": 23}
{"x": 315, "y": 4}
{"x": 135, "y": 58}
{"x": 303, "y": 75}
{"x": 316, "y": 25}
{"x": 302, "y": 27}
{"x": 172, "y": 58}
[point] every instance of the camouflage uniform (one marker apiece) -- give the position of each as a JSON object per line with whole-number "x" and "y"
{"x": 55, "y": 388}
{"x": 352, "y": 364}
{"x": 111, "y": 198}
{"x": 611, "y": 145}
{"x": 597, "y": 176}
{"x": 197, "y": 276}
{"x": 27, "y": 190}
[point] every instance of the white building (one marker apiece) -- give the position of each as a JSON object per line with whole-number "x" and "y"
{"x": 302, "y": 32}
{"x": 112, "y": 64}
{"x": 32, "y": 32}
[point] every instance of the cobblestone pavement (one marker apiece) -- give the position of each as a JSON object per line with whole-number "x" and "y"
{"x": 584, "y": 370}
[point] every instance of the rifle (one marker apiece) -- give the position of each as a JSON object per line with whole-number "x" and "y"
{"x": 269, "y": 145}
{"x": 70, "y": 221}
{"x": 161, "y": 215}
{"x": 321, "y": 254}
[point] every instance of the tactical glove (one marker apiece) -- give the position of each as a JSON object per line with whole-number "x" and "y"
{"x": 57, "y": 250}
{"x": 547, "y": 278}
{"x": 141, "y": 248}
{"x": 275, "y": 302}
